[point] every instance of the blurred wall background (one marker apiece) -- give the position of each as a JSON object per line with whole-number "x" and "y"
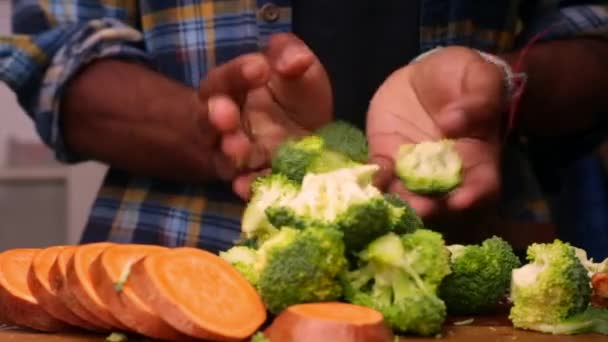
{"x": 41, "y": 202}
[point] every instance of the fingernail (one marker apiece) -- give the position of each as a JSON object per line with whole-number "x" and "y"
{"x": 291, "y": 55}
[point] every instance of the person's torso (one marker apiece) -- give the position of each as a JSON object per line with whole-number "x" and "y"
{"x": 359, "y": 42}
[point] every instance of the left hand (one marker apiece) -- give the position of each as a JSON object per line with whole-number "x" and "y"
{"x": 267, "y": 115}
{"x": 452, "y": 93}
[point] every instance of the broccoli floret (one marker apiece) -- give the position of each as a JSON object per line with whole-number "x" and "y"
{"x": 550, "y": 289}
{"x": 345, "y": 138}
{"x": 344, "y": 199}
{"x": 403, "y": 218}
{"x": 244, "y": 260}
{"x": 295, "y": 158}
{"x": 399, "y": 277}
{"x": 293, "y": 266}
{"x": 591, "y": 266}
{"x": 429, "y": 167}
{"x": 266, "y": 191}
{"x": 299, "y": 266}
{"x": 480, "y": 277}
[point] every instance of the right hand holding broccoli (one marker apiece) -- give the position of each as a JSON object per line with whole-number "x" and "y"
{"x": 451, "y": 94}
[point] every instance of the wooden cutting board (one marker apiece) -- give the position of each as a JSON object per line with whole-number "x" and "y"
{"x": 483, "y": 329}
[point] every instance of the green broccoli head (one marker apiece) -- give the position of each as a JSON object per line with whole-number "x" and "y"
{"x": 429, "y": 167}
{"x": 299, "y": 266}
{"x": 399, "y": 276}
{"x": 244, "y": 260}
{"x": 403, "y": 218}
{"x": 295, "y": 158}
{"x": 345, "y": 138}
{"x": 550, "y": 289}
{"x": 344, "y": 199}
{"x": 480, "y": 277}
{"x": 266, "y": 191}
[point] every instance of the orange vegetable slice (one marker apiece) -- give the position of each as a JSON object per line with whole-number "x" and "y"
{"x": 47, "y": 297}
{"x": 17, "y": 302}
{"x": 81, "y": 285}
{"x": 59, "y": 284}
{"x": 110, "y": 275}
{"x": 329, "y": 321}
{"x": 199, "y": 294}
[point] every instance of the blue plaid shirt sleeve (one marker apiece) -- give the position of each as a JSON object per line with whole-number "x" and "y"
{"x": 566, "y": 19}
{"x": 51, "y": 42}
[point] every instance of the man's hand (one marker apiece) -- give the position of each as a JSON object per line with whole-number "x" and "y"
{"x": 451, "y": 93}
{"x": 138, "y": 120}
{"x": 294, "y": 99}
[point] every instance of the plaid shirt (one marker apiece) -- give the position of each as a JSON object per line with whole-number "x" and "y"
{"x": 184, "y": 39}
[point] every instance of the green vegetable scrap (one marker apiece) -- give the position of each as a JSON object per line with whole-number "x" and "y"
{"x": 429, "y": 167}
{"x": 117, "y": 337}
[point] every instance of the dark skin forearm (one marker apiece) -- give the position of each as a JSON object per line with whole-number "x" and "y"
{"x": 135, "y": 119}
{"x": 567, "y": 82}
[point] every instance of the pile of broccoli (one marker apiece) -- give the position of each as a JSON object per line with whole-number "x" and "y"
{"x": 317, "y": 229}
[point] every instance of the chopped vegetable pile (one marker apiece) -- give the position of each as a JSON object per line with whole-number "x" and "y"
{"x": 324, "y": 256}
{"x": 377, "y": 253}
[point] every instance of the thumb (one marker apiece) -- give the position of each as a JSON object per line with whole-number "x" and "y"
{"x": 299, "y": 77}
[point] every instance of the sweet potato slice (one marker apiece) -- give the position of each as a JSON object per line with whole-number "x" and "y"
{"x": 199, "y": 294}
{"x": 59, "y": 285}
{"x": 110, "y": 274}
{"x": 80, "y": 283}
{"x": 329, "y": 321}
{"x": 38, "y": 281}
{"x": 17, "y": 303}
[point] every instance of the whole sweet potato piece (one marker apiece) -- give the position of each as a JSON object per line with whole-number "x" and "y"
{"x": 329, "y": 321}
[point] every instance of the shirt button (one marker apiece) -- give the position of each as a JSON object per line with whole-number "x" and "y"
{"x": 270, "y": 12}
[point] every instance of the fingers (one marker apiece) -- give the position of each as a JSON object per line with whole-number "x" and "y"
{"x": 300, "y": 84}
{"x": 236, "y": 77}
{"x": 224, "y": 114}
{"x": 242, "y": 184}
{"x": 480, "y": 186}
{"x": 289, "y": 55}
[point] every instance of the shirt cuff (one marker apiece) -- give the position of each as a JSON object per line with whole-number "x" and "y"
{"x": 568, "y": 22}
{"x": 100, "y": 38}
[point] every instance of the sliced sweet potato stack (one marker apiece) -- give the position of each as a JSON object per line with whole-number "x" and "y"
{"x": 47, "y": 297}
{"x": 330, "y": 321}
{"x": 80, "y": 283}
{"x": 59, "y": 285}
{"x": 199, "y": 294}
{"x": 110, "y": 275}
{"x": 17, "y": 303}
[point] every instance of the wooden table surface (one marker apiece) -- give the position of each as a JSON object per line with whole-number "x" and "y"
{"x": 483, "y": 329}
